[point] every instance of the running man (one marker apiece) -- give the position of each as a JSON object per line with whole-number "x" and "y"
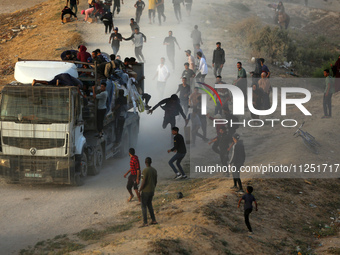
{"x": 172, "y": 108}
{"x": 248, "y": 206}
{"x": 137, "y": 38}
{"x": 170, "y": 48}
{"x": 180, "y": 150}
{"x": 139, "y": 5}
{"x": 162, "y": 75}
{"x": 134, "y": 177}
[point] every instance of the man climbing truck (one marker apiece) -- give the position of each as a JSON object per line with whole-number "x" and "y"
{"x": 48, "y": 132}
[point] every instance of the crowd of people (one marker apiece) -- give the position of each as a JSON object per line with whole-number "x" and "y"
{"x": 186, "y": 99}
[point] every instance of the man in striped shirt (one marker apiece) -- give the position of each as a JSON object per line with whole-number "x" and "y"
{"x": 134, "y": 177}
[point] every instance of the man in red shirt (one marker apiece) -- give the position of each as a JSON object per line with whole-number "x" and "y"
{"x": 134, "y": 177}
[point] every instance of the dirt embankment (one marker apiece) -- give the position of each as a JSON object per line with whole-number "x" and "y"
{"x": 34, "y": 33}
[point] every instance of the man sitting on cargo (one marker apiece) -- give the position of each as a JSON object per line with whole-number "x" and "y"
{"x": 101, "y": 108}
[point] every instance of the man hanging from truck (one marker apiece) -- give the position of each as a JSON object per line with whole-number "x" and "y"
{"x": 120, "y": 111}
{"x": 101, "y": 108}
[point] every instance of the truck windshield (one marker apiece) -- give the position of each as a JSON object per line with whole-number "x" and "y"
{"x": 35, "y": 105}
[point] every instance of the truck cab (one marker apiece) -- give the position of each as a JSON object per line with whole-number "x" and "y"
{"x": 48, "y": 135}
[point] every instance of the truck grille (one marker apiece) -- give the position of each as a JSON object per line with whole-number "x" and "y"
{"x": 38, "y": 143}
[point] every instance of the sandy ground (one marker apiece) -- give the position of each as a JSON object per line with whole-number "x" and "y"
{"x": 8, "y": 6}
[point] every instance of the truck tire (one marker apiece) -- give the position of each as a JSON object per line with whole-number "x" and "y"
{"x": 124, "y": 144}
{"x": 98, "y": 159}
{"x": 134, "y": 135}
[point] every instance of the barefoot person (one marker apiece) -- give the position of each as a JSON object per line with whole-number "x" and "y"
{"x": 147, "y": 189}
{"x": 134, "y": 171}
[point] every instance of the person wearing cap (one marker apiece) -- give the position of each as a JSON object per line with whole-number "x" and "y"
{"x": 162, "y": 75}
{"x": 137, "y": 37}
{"x": 87, "y": 13}
{"x": 191, "y": 60}
{"x": 202, "y": 68}
{"x": 218, "y": 59}
{"x": 170, "y": 48}
{"x": 237, "y": 158}
{"x": 172, "y": 108}
{"x": 108, "y": 21}
{"x": 139, "y": 5}
{"x": 115, "y": 40}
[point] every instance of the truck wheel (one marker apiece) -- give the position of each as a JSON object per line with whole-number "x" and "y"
{"x": 134, "y": 135}
{"x": 98, "y": 159}
{"x": 124, "y": 144}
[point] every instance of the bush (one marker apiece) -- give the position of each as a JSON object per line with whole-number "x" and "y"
{"x": 318, "y": 73}
{"x": 278, "y": 45}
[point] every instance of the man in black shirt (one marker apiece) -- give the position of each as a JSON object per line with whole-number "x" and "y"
{"x": 65, "y": 11}
{"x": 221, "y": 145}
{"x": 120, "y": 110}
{"x": 73, "y": 5}
{"x": 170, "y": 48}
{"x": 184, "y": 93}
{"x": 116, "y": 5}
{"x": 139, "y": 5}
{"x": 108, "y": 21}
{"x": 115, "y": 40}
{"x": 171, "y": 108}
{"x": 181, "y": 150}
{"x": 160, "y": 11}
{"x": 189, "y": 74}
{"x": 177, "y": 9}
{"x": 237, "y": 158}
{"x": 133, "y": 25}
{"x": 218, "y": 59}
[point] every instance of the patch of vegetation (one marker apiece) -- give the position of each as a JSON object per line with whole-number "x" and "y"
{"x": 278, "y": 45}
{"x": 59, "y": 245}
{"x": 239, "y": 6}
{"x": 74, "y": 41}
{"x": 94, "y": 234}
{"x": 334, "y": 250}
{"x": 168, "y": 246}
